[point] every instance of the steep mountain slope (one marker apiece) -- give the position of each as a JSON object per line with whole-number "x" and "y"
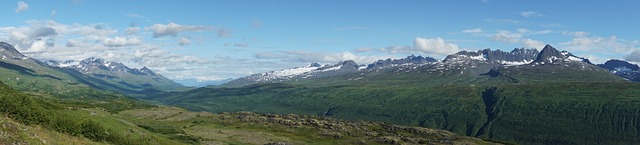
{"x": 28, "y": 74}
{"x": 504, "y": 97}
{"x": 623, "y": 69}
{"x": 116, "y": 76}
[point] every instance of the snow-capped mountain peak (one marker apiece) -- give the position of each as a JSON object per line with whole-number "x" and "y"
{"x": 94, "y": 65}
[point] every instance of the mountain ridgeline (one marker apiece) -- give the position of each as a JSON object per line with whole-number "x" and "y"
{"x": 81, "y": 102}
{"x": 65, "y": 78}
{"x": 523, "y": 96}
{"x": 622, "y": 68}
{"x": 116, "y": 76}
{"x": 467, "y": 63}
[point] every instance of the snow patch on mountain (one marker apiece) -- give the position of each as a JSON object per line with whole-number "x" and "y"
{"x": 291, "y": 71}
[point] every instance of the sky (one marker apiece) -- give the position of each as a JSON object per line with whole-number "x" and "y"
{"x": 212, "y": 40}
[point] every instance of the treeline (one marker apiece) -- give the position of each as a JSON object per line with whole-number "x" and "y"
{"x": 30, "y": 111}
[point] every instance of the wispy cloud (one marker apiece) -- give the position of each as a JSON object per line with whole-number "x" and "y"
{"x": 184, "y": 41}
{"x": 121, "y": 41}
{"x": 241, "y": 45}
{"x": 612, "y": 44}
{"x": 42, "y": 39}
{"x": 474, "y": 30}
{"x": 134, "y": 15}
{"x": 529, "y": 14}
{"x": 173, "y": 29}
{"x": 321, "y": 57}
{"x": 518, "y": 37}
{"x": 223, "y": 33}
{"x": 428, "y": 46}
{"x": 435, "y": 46}
{"x": 22, "y": 6}
{"x": 257, "y": 24}
{"x": 633, "y": 56}
{"x": 131, "y": 30}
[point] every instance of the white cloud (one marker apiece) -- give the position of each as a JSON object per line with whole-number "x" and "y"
{"x": 435, "y": 46}
{"x": 633, "y": 56}
{"x": 307, "y": 57}
{"x": 75, "y": 43}
{"x": 156, "y": 57}
{"x": 542, "y": 32}
{"x": 518, "y": 37}
{"x": 131, "y": 30}
{"x": 241, "y": 45}
{"x": 173, "y": 29}
{"x": 29, "y": 39}
{"x": 184, "y": 42}
{"x": 224, "y": 33}
{"x": 121, "y": 41}
{"x": 427, "y": 46}
{"x": 576, "y": 33}
{"x": 22, "y": 6}
{"x": 507, "y": 36}
{"x": 53, "y": 13}
{"x": 530, "y": 43}
{"x": 474, "y": 30}
{"x": 599, "y": 44}
{"x": 528, "y": 14}
{"x": 37, "y": 39}
{"x": 134, "y": 15}
{"x": 38, "y": 46}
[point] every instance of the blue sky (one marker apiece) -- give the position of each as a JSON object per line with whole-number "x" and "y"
{"x": 213, "y": 40}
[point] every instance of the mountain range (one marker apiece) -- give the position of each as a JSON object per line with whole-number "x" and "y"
{"x": 476, "y": 63}
{"x": 25, "y": 73}
{"x": 523, "y": 96}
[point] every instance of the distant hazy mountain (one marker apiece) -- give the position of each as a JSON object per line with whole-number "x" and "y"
{"x": 201, "y": 83}
{"x": 623, "y": 69}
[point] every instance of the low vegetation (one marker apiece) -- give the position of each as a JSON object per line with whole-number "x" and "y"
{"x": 526, "y": 113}
{"x": 252, "y": 128}
{"x": 62, "y": 118}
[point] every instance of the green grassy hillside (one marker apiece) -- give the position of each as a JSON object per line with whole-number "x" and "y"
{"x": 252, "y": 128}
{"x": 527, "y": 113}
{"x": 28, "y": 119}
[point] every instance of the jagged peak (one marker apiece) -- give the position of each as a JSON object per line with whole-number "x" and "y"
{"x": 314, "y": 64}
{"x": 549, "y": 54}
{"x": 145, "y": 71}
{"x": 348, "y": 63}
{"x": 93, "y": 60}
